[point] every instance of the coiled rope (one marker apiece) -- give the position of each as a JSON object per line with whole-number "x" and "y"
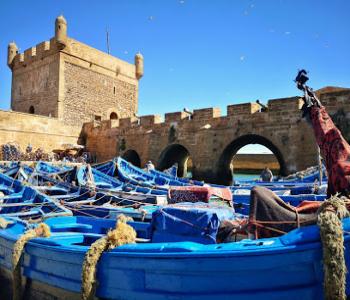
{"x": 42, "y": 230}
{"x": 121, "y": 235}
{"x": 330, "y": 214}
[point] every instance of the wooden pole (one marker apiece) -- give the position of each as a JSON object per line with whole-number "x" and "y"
{"x": 107, "y": 35}
{"x": 320, "y": 169}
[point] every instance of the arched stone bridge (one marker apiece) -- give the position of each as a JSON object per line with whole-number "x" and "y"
{"x": 211, "y": 140}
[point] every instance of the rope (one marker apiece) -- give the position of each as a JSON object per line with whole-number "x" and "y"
{"x": 121, "y": 235}
{"x": 41, "y": 231}
{"x": 329, "y": 220}
{"x": 4, "y": 223}
{"x": 90, "y": 181}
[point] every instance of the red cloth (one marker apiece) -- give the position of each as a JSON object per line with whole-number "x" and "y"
{"x": 335, "y": 151}
{"x": 197, "y": 194}
{"x": 308, "y": 206}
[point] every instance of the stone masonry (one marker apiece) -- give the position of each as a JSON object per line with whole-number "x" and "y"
{"x": 39, "y": 131}
{"x": 211, "y": 140}
{"x": 73, "y": 82}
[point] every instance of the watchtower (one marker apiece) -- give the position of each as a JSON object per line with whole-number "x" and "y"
{"x": 69, "y": 80}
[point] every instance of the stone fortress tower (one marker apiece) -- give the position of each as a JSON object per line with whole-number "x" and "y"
{"x": 68, "y": 80}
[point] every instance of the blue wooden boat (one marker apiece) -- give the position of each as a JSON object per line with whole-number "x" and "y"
{"x": 292, "y": 189}
{"x": 27, "y": 173}
{"x": 108, "y": 168}
{"x": 18, "y": 171}
{"x": 90, "y": 176}
{"x": 9, "y": 185}
{"x": 286, "y": 267}
{"x": 26, "y": 202}
{"x": 130, "y": 173}
{"x": 170, "y": 176}
{"x": 50, "y": 169}
{"x": 113, "y": 196}
{"x": 88, "y": 201}
{"x": 309, "y": 178}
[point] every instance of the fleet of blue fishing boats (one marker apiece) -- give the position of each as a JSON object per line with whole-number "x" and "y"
{"x": 176, "y": 254}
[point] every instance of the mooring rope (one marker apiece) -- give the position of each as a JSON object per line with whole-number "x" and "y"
{"x": 330, "y": 214}
{"x": 42, "y": 230}
{"x": 4, "y": 223}
{"x": 121, "y": 235}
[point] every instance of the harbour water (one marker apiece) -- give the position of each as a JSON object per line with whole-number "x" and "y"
{"x": 242, "y": 176}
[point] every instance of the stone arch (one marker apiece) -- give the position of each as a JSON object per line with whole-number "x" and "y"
{"x": 224, "y": 172}
{"x": 133, "y": 157}
{"x": 113, "y": 116}
{"x": 32, "y": 110}
{"x": 174, "y": 153}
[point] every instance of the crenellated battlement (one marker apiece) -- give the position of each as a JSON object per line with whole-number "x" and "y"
{"x": 206, "y": 114}
{"x": 33, "y": 54}
{"x": 278, "y": 110}
{"x": 285, "y": 104}
{"x": 90, "y": 57}
{"x": 209, "y": 115}
{"x": 65, "y": 78}
{"x": 242, "y": 109}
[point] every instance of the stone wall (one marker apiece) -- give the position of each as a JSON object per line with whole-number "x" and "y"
{"x": 211, "y": 139}
{"x": 89, "y": 94}
{"x": 39, "y": 131}
{"x": 35, "y": 84}
{"x": 255, "y": 162}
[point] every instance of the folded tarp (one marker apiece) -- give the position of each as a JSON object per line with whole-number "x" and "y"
{"x": 195, "y": 222}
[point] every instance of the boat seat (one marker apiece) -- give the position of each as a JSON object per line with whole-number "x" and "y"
{"x": 103, "y": 185}
{"x": 68, "y": 196}
{"x": 142, "y": 240}
{"x": 12, "y": 197}
{"x": 76, "y": 227}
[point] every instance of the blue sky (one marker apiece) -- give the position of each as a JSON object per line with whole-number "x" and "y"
{"x": 198, "y": 53}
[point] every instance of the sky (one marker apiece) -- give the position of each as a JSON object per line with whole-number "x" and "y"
{"x": 198, "y": 53}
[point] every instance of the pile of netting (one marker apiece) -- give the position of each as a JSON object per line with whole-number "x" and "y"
{"x": 13, "y": 152}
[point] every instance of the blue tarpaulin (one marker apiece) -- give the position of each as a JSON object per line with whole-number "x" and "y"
{"x": 196, "y": 222}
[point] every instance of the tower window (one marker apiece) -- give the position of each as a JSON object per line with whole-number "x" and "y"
{"x": 31, "y": 110}
{"x": 114, "y": 90}
{"x": 113, "y": 116}
{"x": 98, "y": 118}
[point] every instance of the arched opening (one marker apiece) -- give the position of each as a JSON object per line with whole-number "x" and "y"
{"x": 113, "y": 116}
{"x": 226, "y": 165}
{"x": 176, "y": 153}
{"x": 132, "y": 157}
{"x": 31, "y": 110}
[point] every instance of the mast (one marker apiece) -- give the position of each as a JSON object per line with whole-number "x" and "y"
{"x": 107, "y": 36}
{"x": 319, "y": 159}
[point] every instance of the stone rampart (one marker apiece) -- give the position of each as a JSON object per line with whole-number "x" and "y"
{"x": 39, "y": 131}
{"x": 211, "y": 140}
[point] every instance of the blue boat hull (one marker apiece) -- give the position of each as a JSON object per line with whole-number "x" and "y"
{"x": 184, "y": 277}
{"x": 289, "y": 267}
